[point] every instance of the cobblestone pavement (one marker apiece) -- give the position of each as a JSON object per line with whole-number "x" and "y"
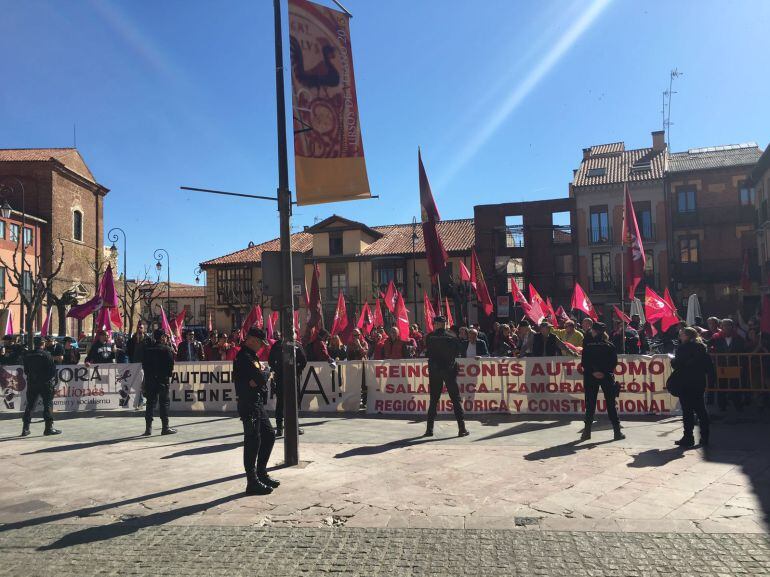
{"x": 136, "y": 549}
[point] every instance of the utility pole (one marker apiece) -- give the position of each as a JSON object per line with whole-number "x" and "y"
{"x": 289, "y": 376}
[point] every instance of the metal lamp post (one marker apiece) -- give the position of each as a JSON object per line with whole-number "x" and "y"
{"x": 113, "y": 236}
{"x": 198, "y": 273}
{"x": 158, "y": 256}
{"x": 6, "y": 211}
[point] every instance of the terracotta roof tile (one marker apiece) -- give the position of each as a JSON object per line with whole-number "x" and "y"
{"x": 458, "y": 235}
{"x": 715, "y": 157}
{"x": 178, "y": 290}
{"x": 611, "y": 148}
{"x": 69, "y": 157}
{"x": 632, "y": 165}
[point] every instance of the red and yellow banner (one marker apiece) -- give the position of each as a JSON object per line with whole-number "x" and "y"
{"x": 329, "y": 162}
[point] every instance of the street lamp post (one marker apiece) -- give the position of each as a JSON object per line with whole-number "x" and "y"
{"x": 198, "y": 273}
{"x": 6, "y": 211}
{"x": 112, "y": 236}
{"x": 158, "y": 256}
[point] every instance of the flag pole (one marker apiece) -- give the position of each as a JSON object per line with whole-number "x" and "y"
{"x": 623, "y": 273}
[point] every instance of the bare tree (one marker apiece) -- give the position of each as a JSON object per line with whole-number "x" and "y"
{"x": 131, "y": 302}
{"x": 67, "y": 299}
{"x": 150, "y": 292}
{"x": 40, "y": 284}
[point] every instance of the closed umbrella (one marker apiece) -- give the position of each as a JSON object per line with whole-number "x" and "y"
{"x": 693, "y": 310}
{"x": 637, "y": 308}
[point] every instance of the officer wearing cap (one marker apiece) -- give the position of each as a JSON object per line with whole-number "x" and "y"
{"x": 40, "y": 369}
{"x": 158, "y": 366}
{"x": 258, "y": 435}
{"x": 442, "y": 348}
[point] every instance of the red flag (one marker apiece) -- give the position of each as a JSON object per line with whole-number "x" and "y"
{"x": 377, "y": 320}
{"x": 549, "y": 312}
{"x": 477, "y": 280}
{"x": 315, "y": 314}
{"x": 668, "y": 299}
{"x": 260, "y": 319}
{"x": 166, "y": 326}
{"x": 465, "y": 274}
{"x": 402, "y": 318}
{"x": 635, "y": 259}
{"x": 115, "y": 319}
{"x": 270, "y": 330}
{"x": 534, "y": 297}
{"x": 364, "y": 323}
{"x": 429, "y": 312}
{"x": 764, "y": 321}
{"x": 621, "y": 315}
{"x": 340, "y": 316}
{"x": 450, "y": 321}
{"x": 534, "y": 311}
{"x": 46, "y": 328}
{"x": 435, "y": 253}
{"x": 655, "y": 308}
{"x": 581, "y": 302}
{"x": 390, "y": 297}
{"x": 518, "y": 296}
{"x": 745, "y": 278}
{"x": 250, "y": 320}
{"x": 562, "y": 315}
{"x": 211, "y": 324}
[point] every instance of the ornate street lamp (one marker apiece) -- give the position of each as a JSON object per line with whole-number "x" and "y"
{"x": 158, "y": 255}
{"x": 113, "y": 237}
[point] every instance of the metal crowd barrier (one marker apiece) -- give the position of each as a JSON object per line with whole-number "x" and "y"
{"x": 741, "y": 373}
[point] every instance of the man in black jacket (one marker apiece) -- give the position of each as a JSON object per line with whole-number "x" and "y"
{"x": 158, "y": 366}
{"x": 258, "y": 435}
{"x": 40, "y": 370}
{"x": 442, "y": 347}
{"x": 101, "y": 351}
{"x": 275, "y": 360}
{"x": 599, "y": 361}
{"x": 474, "y": 347}
{"x": 545, "y": 343}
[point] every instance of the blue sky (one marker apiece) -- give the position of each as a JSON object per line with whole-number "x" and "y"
{"x": 501, "y": 96}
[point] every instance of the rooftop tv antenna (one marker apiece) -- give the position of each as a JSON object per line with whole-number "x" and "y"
{"x": 666, "y": 112}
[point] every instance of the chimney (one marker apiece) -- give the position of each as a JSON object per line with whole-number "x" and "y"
{"x": 586, "y": 153}
{"x": 658, "y": 140}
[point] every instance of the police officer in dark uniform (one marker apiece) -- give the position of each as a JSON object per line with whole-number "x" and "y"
{"x": 40, "y": 370}
{"x": 158, "y": 366}
{"x": 442, "y": 348}
{"x": 599, "y": 360}
{"x": 258, "y": 435}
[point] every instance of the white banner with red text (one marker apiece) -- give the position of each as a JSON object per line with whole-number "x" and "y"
{"x": 545, "y": 385}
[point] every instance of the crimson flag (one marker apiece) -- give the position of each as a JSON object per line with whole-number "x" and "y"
{"x": 166, "y": 326}
{"x": 390, "y": 296}
{"x": 115, "y": 318}
{"x": 465, "y": 274}
{"x": 518, "y": 296}
{"x": 450, "y": 321}
{"x": 402, "y": 318}
{"x": 745, "y": 278}
{"x": 477, "y": 280}
{"x": 429, "y": 313}
{"x": 581, "y": 302}
{"x": 635, "y": 259}
{"x": 315, "y": 314}
{"x": 377, "y": 320}
{"x": 340, "y": 316}
{"x": 621, "y": 315}
{"x": 250, "y": 320}
{"x": 435, "y": 253}
{"x": 534, "y": 296}
{"x": 365, "y": 323}
{"x": 549, "y": 312}
{"x": 46, "y": 328}
{"x": 656, "y": 308}
{"x": 668, "y": 299}
{"x": 534, "y": 311}
{"x": 562, "y": 315}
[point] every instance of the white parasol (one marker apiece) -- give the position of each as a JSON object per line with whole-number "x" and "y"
{"x": 693, "y": 310}
{"x": 637, "y": 309}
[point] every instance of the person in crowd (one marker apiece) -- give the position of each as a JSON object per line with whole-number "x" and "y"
{"x": 474, "y": 347}
{"x": 318, "y": 349}
{"x": 569, "y": 334}
{"x": 40, "y": 371}
{"x": 190, "y": 350}
{"x": 12, "y": 352}
{"x": 526, "y": 338}
{"x": 158, "y": 366}
{"x": 481, "y": 334}
{"x": 358, "y": 349}
{"x": 462, "y": 333}
{"x": 71, "y": 355}
{"x": 698, "y": 323}
{"x": 139, "y": 342}
{"x": 258, "y": 434}
{"x": 222, "y": 348}
{"x": 55, "y": 349}
{"x": 393, "y": 347}
{"x": 415, "y": 334}
{"x": 442, "y": 348}
{"x": 234, "y": 345}
{"x": 101, "y": 351}
{"x": 693, "y": 367}
{"x": 712, "y": 329}
{"x": 625, "y": 338}
{"x": 494, "y": 335}
{"x": 545, "y": 343}
{"x": 636, "y": 322}
{"x": 505, "y": 345}
{"x": 210, "y": 348}
{"x": 599, "y": 360}
{"x": 121, "y": 354}
{"x": 275, "y": 361}
{"x": 726, "y": 341}
{"x": 337, "y": 350}
{"x": 586, "y": 324}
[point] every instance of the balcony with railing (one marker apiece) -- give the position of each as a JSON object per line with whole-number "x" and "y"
{"x": 716, "y": 215}
{"x": 600, "y": 235}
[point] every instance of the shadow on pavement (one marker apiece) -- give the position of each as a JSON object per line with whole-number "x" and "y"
{"x": 385, "y": 447}
{"x": 121, "y": 528}
{"x": 205, "y": 450}
{"x": 656, "y": 457}
{"x": 87, "y": 511}
{"x": 77, "y": 446}
{"x": 187, "y": 442}
{"x": 522, "y": 428}
{"x": 564, "y": 450}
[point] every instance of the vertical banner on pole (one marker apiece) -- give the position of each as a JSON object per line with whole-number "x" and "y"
{"x": 328, "y": 150}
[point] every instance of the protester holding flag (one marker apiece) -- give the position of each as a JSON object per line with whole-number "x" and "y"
{"x": 599, "y": 360}
{"x": 569, "y": 334}
{"x": 337, "y": 349}
{"x": 358, "y": 348}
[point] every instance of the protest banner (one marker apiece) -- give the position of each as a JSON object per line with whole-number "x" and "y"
{"x": 548, "y": 385}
